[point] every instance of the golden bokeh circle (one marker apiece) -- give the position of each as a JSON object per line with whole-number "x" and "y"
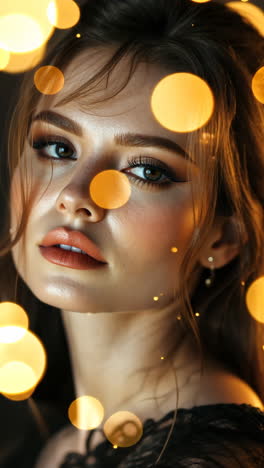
{"x": 255, "y": 299}
{"x": 123, "y": 429}
{"x": 16, "y": 375}
{"x": 30, "y": 33}
{"x": 22, "y": 366}
{"x": 182, "y": 102}
{"x": 258, "y": 85}
{"x": 252, "y": 13}
{"x": 19, "y": 63}
{"x": 110, "y": 189}
{"x": 86, "y": 412}
{"x": 13, "y": 322}
{"x": 49, "y": 79}
{"x": 63, "y": 14}
{"x": 24, "y": 25}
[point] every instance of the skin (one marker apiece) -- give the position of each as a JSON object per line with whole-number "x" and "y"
{"x": 110, "y": 317}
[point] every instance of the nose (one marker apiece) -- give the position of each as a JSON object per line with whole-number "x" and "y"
{"x": 75, "y": 200}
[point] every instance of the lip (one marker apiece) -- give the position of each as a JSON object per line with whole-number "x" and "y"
{"x": 63, "y": 235}
{"x": 69, "y": 259}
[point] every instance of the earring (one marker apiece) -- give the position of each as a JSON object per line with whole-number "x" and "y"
{"x": 209, "y": 281}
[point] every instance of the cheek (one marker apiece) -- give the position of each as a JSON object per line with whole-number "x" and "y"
{"x": 169, "y": 229}
{"x": 154, "y": 231}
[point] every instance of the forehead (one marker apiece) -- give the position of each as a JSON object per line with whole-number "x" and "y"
{"x": 98, "y": 103}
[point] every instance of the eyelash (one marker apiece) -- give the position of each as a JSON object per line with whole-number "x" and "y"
{"x": 140, "y": 161}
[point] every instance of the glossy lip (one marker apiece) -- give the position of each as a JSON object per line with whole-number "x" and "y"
{"x": 64, "y": 235}
{"x": 69, "y": 259}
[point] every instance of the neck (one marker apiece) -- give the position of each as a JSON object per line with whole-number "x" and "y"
{"x": 116, "y": 357}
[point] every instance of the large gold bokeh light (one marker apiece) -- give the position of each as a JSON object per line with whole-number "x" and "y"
{"x": 182, "y": 102}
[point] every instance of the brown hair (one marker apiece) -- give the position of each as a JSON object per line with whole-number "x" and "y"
{"x": 216, "y": 44}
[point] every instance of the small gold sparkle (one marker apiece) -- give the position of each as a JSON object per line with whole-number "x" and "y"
{"x": 78, "y": 35}
{"x": 155, "y": 298}
{"x": 174, "y": 249}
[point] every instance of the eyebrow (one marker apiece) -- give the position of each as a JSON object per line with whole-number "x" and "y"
{"x": 123, "y": 139}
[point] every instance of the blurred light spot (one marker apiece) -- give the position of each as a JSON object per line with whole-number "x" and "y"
{"x": 197, "y": 314}
{"x": 78, "y": 35}
{"x": 162, "y": 357}
{"x": 201, "y": 1}
{"x": 86, "y": 412}
{"x": 63, "y": 13}
{"x": 4, "y": 58}
{"x": 19, "y": 396}
{"x": 182, "y": 102}
{"x": 255, "y": 299}
{"x": 206, "y": 137}
{"x": 20, "y": 33}
{"x": 123, "y": 429}
{"x": 22, "y": 365}
{"x": 19, "y": 63}
{"x": 178, "y": 317}
{"x": 243, "y": 283}
{"x": 174, "y": 249}
{"x": 161, "y": 294}
{"x": 258, "y": 85}
{"x": 110, "y": 189}
{"x": 16, "y": 377}
{"x": 11, "y": 334}
{"x": 49, "y": 79}
{"x": 24, "y": 25}
{"x": 251, "y": 12}
{"x": 13, "y": 322}
{"x": 155, "y": 298}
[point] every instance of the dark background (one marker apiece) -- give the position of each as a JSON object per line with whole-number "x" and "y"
{"x": 18, "y": 413}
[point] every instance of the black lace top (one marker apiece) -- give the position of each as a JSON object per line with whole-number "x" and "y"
{"x": 220, "y": 435}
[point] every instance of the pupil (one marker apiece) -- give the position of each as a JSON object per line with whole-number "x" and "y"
{"x": 61, "y": 150}
{"x": 149, "y": 172}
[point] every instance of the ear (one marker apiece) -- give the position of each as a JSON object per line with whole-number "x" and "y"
{"x": 222, "y": 243}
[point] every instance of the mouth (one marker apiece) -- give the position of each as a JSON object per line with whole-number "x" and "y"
{"x": 68, "y": 248}
{"x": 69, "y": 258}
{"x": 67, "y": 240}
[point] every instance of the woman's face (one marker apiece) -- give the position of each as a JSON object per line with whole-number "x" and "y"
{"x": 135, "y": 239}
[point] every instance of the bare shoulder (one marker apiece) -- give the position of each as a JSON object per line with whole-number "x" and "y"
{"x": 221, "y": 386}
